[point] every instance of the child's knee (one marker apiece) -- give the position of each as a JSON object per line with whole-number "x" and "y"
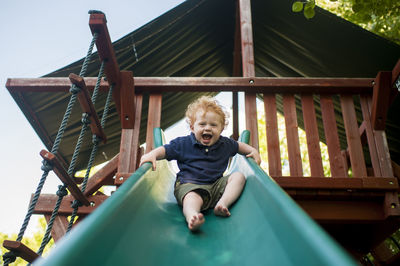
{"x": 193, "y": 196}
{"x": 237, "y": 177}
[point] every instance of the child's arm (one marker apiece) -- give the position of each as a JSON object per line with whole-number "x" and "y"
{"x": 249, "y": 151}
{"x": 153, "y": 156}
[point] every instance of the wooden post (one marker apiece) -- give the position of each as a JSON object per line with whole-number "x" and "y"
{"x": 128, "y": 154}
{"x": 236, "y": 72}
{"x": 153, "y": 119}
{"x": 246, "y": 33}
{"x": 381, "y": 99}
{"x": 127, "y": 100}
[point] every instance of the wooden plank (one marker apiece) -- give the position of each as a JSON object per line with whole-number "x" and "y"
{"x": 127, "y": 100}
{"x": 332, "y": 138}
{"x": 391, "y": 204}
{"x": 105, "y": 50}
{"x": 60, "y": 226}
{"x": 98, "y": 24}
{"x": 21, "y": 250}
{"x": 356, "y": 183}
{"x": 271, "y": 123}
{"x": 46, "y": 203}
{"x": 370, "y": 136}
{"x": 64, "y": 177}
{"x": 102, "y": 177}
{"x": 208, "y": 84}
{"x": 129, "y": 146}
{"x": 292, "y": 135}
{"x": 312, "y": 135}
{"x": 382, "y": 149}
{"x": 342, "y": 211}
{"x": 87, "y": 106}
{"x": 353, "y": 138}
{"x": 153, "y": 119}
{"x": 381, "y": 100}
{"x": 396, "y": 72}
{"x": 135, "y": 160}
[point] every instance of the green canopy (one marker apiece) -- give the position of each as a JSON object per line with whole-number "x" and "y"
{"x": 196, "y": 39}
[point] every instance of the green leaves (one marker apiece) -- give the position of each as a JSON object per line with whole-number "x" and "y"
{"x": 307, "y": 7}
{"x": 297, "y": 6}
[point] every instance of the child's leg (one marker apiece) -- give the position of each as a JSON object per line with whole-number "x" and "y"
{"x": 192, "y": 203}
{"x": 232, "y": 192}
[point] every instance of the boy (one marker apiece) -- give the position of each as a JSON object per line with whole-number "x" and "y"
{"x": 202, "y": 158}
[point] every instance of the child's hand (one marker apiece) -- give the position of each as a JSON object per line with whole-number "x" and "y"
{"x": 149, "y": 157}
{"x": 255, "y": 155}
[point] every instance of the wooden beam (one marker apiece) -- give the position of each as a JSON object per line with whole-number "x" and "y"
{"x": 381, "y": 100}
{"x": 336, "y": 211}
{"x": 105, "y": 50}
{"x": 207, "y": 84}
{"x": 236, "y": 72}
{"x": 21, "y": 250}
{"x": 64, "y": 177}
{"x": 87, "y": 106}
{"x": 127, "y": 100}
{"x": 102, "y": 177}
{"x": 362, "y": 183}
{"x": 46, "y": 203}
{"x": 153, "y": 119}
{"x": 396, "y": 73}
{"x": 60, "y": 226}
{"x": 130, "y": 146}
{"x": 370, "y": 135}
{"x": 248, "y": 70}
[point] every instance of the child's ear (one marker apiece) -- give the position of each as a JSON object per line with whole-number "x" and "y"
{"x": 191, "y": 127}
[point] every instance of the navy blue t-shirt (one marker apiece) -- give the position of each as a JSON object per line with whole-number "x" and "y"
{"x": 197, "y": 163}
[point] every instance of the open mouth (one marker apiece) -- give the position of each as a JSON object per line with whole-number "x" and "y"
{"x": 206, "y": 136}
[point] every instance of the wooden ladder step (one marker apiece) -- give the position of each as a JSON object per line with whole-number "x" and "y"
{"x": 21, "y": 250}
{"x": 87, "y": 106}
{"x": 64, "y": 177}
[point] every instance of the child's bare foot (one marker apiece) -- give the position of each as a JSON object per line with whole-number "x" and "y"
{"x": 196, "y": 221}
{"x": 221, "y": 210}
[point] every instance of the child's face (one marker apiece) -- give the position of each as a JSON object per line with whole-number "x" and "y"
{"x": 207, "y": 127}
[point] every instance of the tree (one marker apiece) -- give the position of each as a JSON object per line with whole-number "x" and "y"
{"x": 378, "y": 16}
{"x": 33, "y": 242}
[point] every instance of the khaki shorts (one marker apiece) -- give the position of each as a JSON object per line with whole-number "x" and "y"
{"x": 210, "y": 193}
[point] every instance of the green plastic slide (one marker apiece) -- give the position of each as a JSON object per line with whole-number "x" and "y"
{"x": 141, "y": 224}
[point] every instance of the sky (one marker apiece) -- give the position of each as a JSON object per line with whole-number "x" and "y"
{"x": 38, "y": 37}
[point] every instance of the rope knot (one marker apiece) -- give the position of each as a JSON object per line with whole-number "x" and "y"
{"x": 62, "y": 191}
{"x": 74, "y": 89}
{"x": 85, "y": 119}
{"x": 9, "y": 257}
{"x": 95, "y": 139}
{"x": 46, "y": 166}
{"x": 76, "y": 204}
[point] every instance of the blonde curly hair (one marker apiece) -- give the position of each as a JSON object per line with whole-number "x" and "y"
{"x": 206, "y": 103}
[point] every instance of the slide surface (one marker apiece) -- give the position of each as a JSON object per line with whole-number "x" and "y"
{"x": 141, "y": 224}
